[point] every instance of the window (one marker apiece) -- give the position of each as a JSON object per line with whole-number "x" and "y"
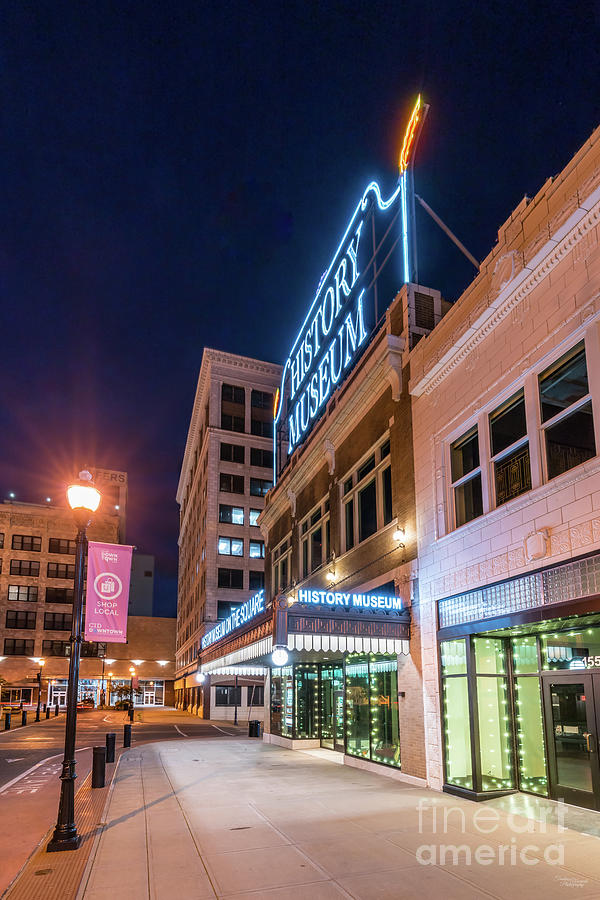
{"x": 56, "y": 648}
{"x": 510, "y": 449}
{"x": 259, "y": 487}
{"x": 18, "y": 647}
{"x": 231, "y": 484}
{"x": 1, "y": 540}
{"x": 26, "y": 542}
{"x": 233, "y": 423}
{"x": 233, "y": 394}
{"x": 232, "y": 453}
{"x": 466, "y": 477}
{"x": 256, "y": 695}
{"x": 254, "y": 514}
{"x": 60, "y": 545}
{"x": 261, "y": 400}
{"x": 231, "y": 546}
{"x": 367, "y": 497}
{"x": 257, "y": 549}
{"x": 263, "y": 458}
{"x": 61, "y": 570}
{"x": 17, "y": 618}
{"x": 256, "y": 580}
{"x": 54, "y": 621}
{"x": 22, "y": 592}
{"x": 228, "y": 695}
{"x": 314, "y": 530}
{"x": 281, "y": 561}
{"x": 231, "y": 515}
{"x": 566, "y": 413}
{"x": 262, "y": 429}
{"x": 59, "y": 595}
{"x": 24, "y": 567}
{"x": 230, "y": 578}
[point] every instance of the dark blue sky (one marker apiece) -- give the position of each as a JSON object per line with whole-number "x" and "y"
{"x": 177, "y": 175}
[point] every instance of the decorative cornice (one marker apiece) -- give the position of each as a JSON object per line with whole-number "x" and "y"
{"x": 471, "y": 333}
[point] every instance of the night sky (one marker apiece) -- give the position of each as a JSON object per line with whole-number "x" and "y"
{"x": 177, "y": 175}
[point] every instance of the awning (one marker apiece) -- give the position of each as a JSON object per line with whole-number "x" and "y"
{"x": 347, "y": 644}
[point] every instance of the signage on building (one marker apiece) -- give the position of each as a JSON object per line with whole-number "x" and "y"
{"x": 238, "y": 617}
{"x": 373, "y": 602}
{"x": 350, "y": 300}
{"x": 107, "y": 598}
{"x": 392, "y": 629}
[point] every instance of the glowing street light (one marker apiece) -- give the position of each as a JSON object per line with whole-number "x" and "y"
{"x": 84, "y": 499}
{"x": 42, "y": 663}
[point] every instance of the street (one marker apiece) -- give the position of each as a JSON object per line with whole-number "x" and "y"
{"x": 30, "y": 764}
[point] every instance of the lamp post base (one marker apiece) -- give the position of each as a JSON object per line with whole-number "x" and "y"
{"x": 68, "y": 842}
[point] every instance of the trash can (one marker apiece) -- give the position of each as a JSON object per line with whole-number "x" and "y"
{"x": 254, "y": 728}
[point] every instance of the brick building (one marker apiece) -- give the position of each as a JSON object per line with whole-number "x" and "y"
{"x": 227, "y": 469}
{"x": 506, "y": 419}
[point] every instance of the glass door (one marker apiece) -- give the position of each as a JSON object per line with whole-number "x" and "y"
{"x": 571, "y": 734}
{"x": 332, "y": 707}
{"x": 149, "y": 698}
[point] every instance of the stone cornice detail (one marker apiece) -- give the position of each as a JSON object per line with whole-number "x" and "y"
{"x": 468, "y": 335}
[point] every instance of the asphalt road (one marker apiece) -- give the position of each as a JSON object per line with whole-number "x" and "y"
{"x": 22, "y": 748}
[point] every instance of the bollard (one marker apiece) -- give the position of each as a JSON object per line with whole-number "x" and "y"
{"x": 98, "y": 767}
{"x": 56, "y": 709}
{"x": 47, "y": 712}
{"x": 24, "y": 717}
{"x": 7, "y": 721}
{"x": 45, "y": 707}
{"x": 127, "y": 735}
{"x": 111, "y": 738}
{"x": 131, "y": 713}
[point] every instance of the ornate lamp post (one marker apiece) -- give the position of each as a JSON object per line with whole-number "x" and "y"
{"x": 42, "y": 663}
{"x": 132, "y": 673}
{"x": 84, "y": 500}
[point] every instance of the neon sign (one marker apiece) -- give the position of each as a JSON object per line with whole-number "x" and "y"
{"x": 350, "y": 601}
{"x": 238, "y": 617}
{"x": 344, "y": 311}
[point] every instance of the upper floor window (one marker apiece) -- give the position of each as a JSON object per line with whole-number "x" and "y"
{"x": 233, "y": 394}
{"x": 231, "y": 546}
{"x": 1, "y": 540}
{"x": 24, "y": 567}
{"x": 26, "y": 542}
{"x": 566, "y": 413}
{"x": 257, "y": 549}
{"x": 261, "y": 400}
{"x": 281, "y": 565}
{"x": 22, "y": 592}
{"x": 262, "y": 458}
{"x": 59, "y": 595}
{"x": 54, "y": 621}
{"x": 254, "y": 514}
{"x": 231, "y": 484}
{"x": 231, "y": 515}
{"x": 233, "y": 423}
{"x": 262, "y": 428}
{"x": 230, "y": 578}
{"x": 466, "y": 477}
{"x": 60, "y": 545}
{"x": 60, "y": 570}
{"x": 315, "y": 539}
{"x": 16, "y": 618}
{"x": 367, "y": 497}
{"x": 18, "y": 647}
{"x": 232, "y": 453}
{"x": 260, "y": 486}
{"x": 256, "y": 580}
{"x": 510, "y": 449}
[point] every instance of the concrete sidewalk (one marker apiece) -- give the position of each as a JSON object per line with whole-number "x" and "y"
{"x": 239, "y": 818}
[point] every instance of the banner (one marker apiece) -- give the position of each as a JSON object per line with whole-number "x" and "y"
{"x": 108, "y": 574}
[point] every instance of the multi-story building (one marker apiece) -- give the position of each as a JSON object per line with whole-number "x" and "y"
{"x": 227, "y": 470}
{"x": 506, "y": 418}
{"x": 141, "y": 586}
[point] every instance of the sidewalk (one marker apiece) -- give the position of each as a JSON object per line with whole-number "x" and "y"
{"x": 238, "y": 818}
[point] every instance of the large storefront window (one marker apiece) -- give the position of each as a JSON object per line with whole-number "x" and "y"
{"x": 493, "y": 715}
{"x": 358, "y": 742}
{"x": 459, "y": 766}
{"x": 307, "y": 701}
{"x": 372, "y": 726}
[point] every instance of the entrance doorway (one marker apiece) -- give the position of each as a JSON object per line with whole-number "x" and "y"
{"x": 332, "y": 707}
{"x": 149, "y": 698}
{"x": 572, "y": 714}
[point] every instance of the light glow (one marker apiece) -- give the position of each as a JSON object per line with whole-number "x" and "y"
{"x": 200, "y": 677}
{"x": 83, "y": 496}
{"x": 137, "y": 662}
{"x": 409, "y": 136}
{"x": 280, "y": 656}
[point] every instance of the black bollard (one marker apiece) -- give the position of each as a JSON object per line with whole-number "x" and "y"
{"x": 7, "y": 721}
{"x": 98, "y": 767}
{"x": 127, "y": 735}
{"x": 131, "y": 713}
{"x": 47, "y": 712}
{"x": 56, "y": 709}
{"x": 24, "y": 717}
{"x": 111, "y": 738}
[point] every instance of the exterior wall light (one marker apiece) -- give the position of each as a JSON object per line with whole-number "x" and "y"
{"x": 331, "y": 575}
{"x": 398, "y": 535}
{"x": 200, "y": 677}
{"x": 280, "y": 656}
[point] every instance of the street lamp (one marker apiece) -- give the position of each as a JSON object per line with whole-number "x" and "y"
{"x": 42, "y": 663}
{"x": 132, "y": 673}
{"x": 109, "y": 686}
{"x": 84, "y": 500}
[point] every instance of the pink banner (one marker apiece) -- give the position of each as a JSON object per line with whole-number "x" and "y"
{"x": 109, "y": 570}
